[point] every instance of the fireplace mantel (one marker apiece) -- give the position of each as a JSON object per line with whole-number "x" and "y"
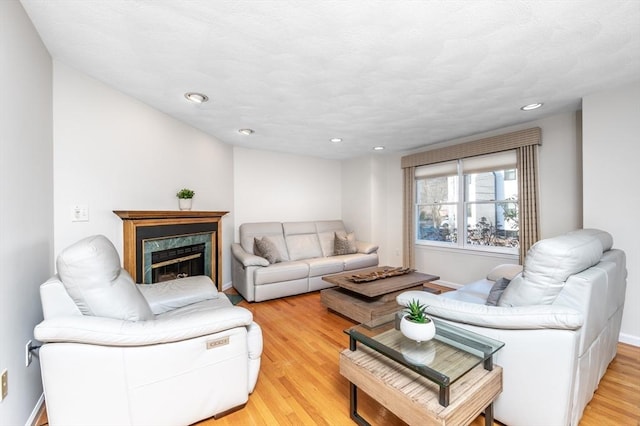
{"x": 141, "y": 224}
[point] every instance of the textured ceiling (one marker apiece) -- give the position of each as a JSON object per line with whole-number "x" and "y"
{"x": 402, "y": 74}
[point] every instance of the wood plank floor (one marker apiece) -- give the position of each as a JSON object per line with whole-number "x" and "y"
{"x": 299, "y": 382}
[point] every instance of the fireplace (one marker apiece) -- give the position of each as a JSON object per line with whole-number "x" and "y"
{"x": 163, "y": 245}
{"x": 179, "y": 262}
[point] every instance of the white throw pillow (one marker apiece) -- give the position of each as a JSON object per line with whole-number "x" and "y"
{"x": 90, "y": 272}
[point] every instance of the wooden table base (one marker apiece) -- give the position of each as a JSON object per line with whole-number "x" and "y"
{"x": 366, "y": 310}
{"x": 414, "y": 398}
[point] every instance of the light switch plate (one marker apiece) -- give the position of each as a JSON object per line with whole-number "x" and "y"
{"x": 80, "y": 213}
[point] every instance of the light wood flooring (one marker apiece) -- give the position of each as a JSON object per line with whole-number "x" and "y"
{"x": 299, "y": 382}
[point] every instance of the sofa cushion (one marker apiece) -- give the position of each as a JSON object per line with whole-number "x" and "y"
{"x": 169, "y": 295}
{"x": 324, "y": 266}
{"x": 358, "y": 261}
{"x": 475, "y": 292}
{"x": 90, "y": 272}
{"x": 345, "y": 243}
{"x": 506, "y": 270}
{"x": 273, "y": 230}
{"x": 326, "y": 230}
{"x": 264, "y": 247}
{"x": 547, "y": 266}
{"x": 279, "y": 272}
{"x": 302, "y": 240}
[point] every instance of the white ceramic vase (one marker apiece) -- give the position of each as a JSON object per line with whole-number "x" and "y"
{"x": 420, "y": 332}
{"x": 185, "y": 203}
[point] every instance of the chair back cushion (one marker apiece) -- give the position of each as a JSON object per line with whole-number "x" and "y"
{"x": 90, "y": 272}
{"x": 548, "y": 265}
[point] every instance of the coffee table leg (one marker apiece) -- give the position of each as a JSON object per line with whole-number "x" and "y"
{"x": 443, "y": 397}
{"x": 353, "y": 400}
{"x": 488, "y": 415}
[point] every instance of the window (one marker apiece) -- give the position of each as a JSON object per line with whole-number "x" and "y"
{"x": 469, "y": 203}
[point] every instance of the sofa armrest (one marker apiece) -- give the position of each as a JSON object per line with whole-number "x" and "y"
{"x": 169, "y": 295}
{"x": 366, "y": 248}
{"x": 516, "y": 318}
{"x": 111, "y": 332}
{"x": 247, "y": 259}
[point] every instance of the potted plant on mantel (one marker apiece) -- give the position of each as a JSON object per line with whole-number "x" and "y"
{"x": 185, "y": 198}
{"x": 415, "y": 324}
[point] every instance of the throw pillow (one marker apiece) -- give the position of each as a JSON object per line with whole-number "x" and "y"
{"x": 496, "y": 291}
{"x": 264, "y": 247}
{"x": 344, "y": 243}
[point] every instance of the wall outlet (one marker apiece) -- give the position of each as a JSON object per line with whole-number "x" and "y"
{"x": 27, "y": 354}
{"x": 5, "y": 384}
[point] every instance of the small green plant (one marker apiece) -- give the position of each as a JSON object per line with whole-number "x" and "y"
{"x": 185, "y": 193}
{"x": 416, "y": 312}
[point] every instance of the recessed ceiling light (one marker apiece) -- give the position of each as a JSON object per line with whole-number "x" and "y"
{"x": 531, "y": 106}
{"x": 336, "y": 140}
{"x": 246, "y": 132}
{"x": 197, "y": 98}
{"x": 378, "y": 148}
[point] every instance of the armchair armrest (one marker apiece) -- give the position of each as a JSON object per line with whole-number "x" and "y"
{"x": 366, "y": 248}
{"x": 111, "y": 332}
{"x": 169, "y": 295}
{"x": 516, "y": 318}
{"x": 247, "y": 259}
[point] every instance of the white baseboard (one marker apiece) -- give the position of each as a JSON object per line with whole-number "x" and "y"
{"x": 31, "y": 421}
{"x": 629, "y": 339}
{"x": 227, "y": 286}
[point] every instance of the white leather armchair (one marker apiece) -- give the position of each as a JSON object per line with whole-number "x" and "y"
{"x": 119, "y": 353}
{"x": 559, "y": 319}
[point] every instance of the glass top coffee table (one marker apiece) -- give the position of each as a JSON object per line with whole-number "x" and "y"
{"x": 446, "y": 359}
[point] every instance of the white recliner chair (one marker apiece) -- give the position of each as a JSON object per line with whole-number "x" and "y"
{"x": 119, "y": 353}
{"x": 559, "y": 318}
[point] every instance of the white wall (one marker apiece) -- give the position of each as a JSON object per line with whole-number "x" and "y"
{"x": 26, "y": 207}
{"x": 560, "y": 200}
{"x": 113, "y": 152}
{"x": 611, "y": 125}
{"x": 278, "y": 187}
{"x": 372, "y": 203}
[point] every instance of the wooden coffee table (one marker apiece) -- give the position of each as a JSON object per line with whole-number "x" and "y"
{"x": 372, "y": 302}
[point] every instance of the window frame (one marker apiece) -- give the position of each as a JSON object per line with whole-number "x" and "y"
{"x": 462, "y": 205}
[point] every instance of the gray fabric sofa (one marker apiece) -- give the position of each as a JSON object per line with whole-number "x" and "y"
{"x": 307, "y": 252}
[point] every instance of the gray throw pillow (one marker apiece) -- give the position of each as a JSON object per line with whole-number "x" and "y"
{"x": 264, "y": 247}
{"x": 344, "y": 243}
{"x": 496, "y": 291}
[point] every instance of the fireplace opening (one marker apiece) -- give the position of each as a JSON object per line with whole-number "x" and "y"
{"x": 178, "y": 262}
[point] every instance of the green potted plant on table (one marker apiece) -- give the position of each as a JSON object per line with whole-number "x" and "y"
{"x": 185, "y": 198}
{"x": 415, "y": 323}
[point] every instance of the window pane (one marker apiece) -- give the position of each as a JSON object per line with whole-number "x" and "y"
{"x": 493, "y": 224}
{"x": 491, "y": 186}
{"x": 437, "y": 222}
{"x": 437, "y": 190}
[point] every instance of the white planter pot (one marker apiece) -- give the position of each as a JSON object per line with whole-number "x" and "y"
{"x": 416, "y": 331}
{"x": 185, "y": 203}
